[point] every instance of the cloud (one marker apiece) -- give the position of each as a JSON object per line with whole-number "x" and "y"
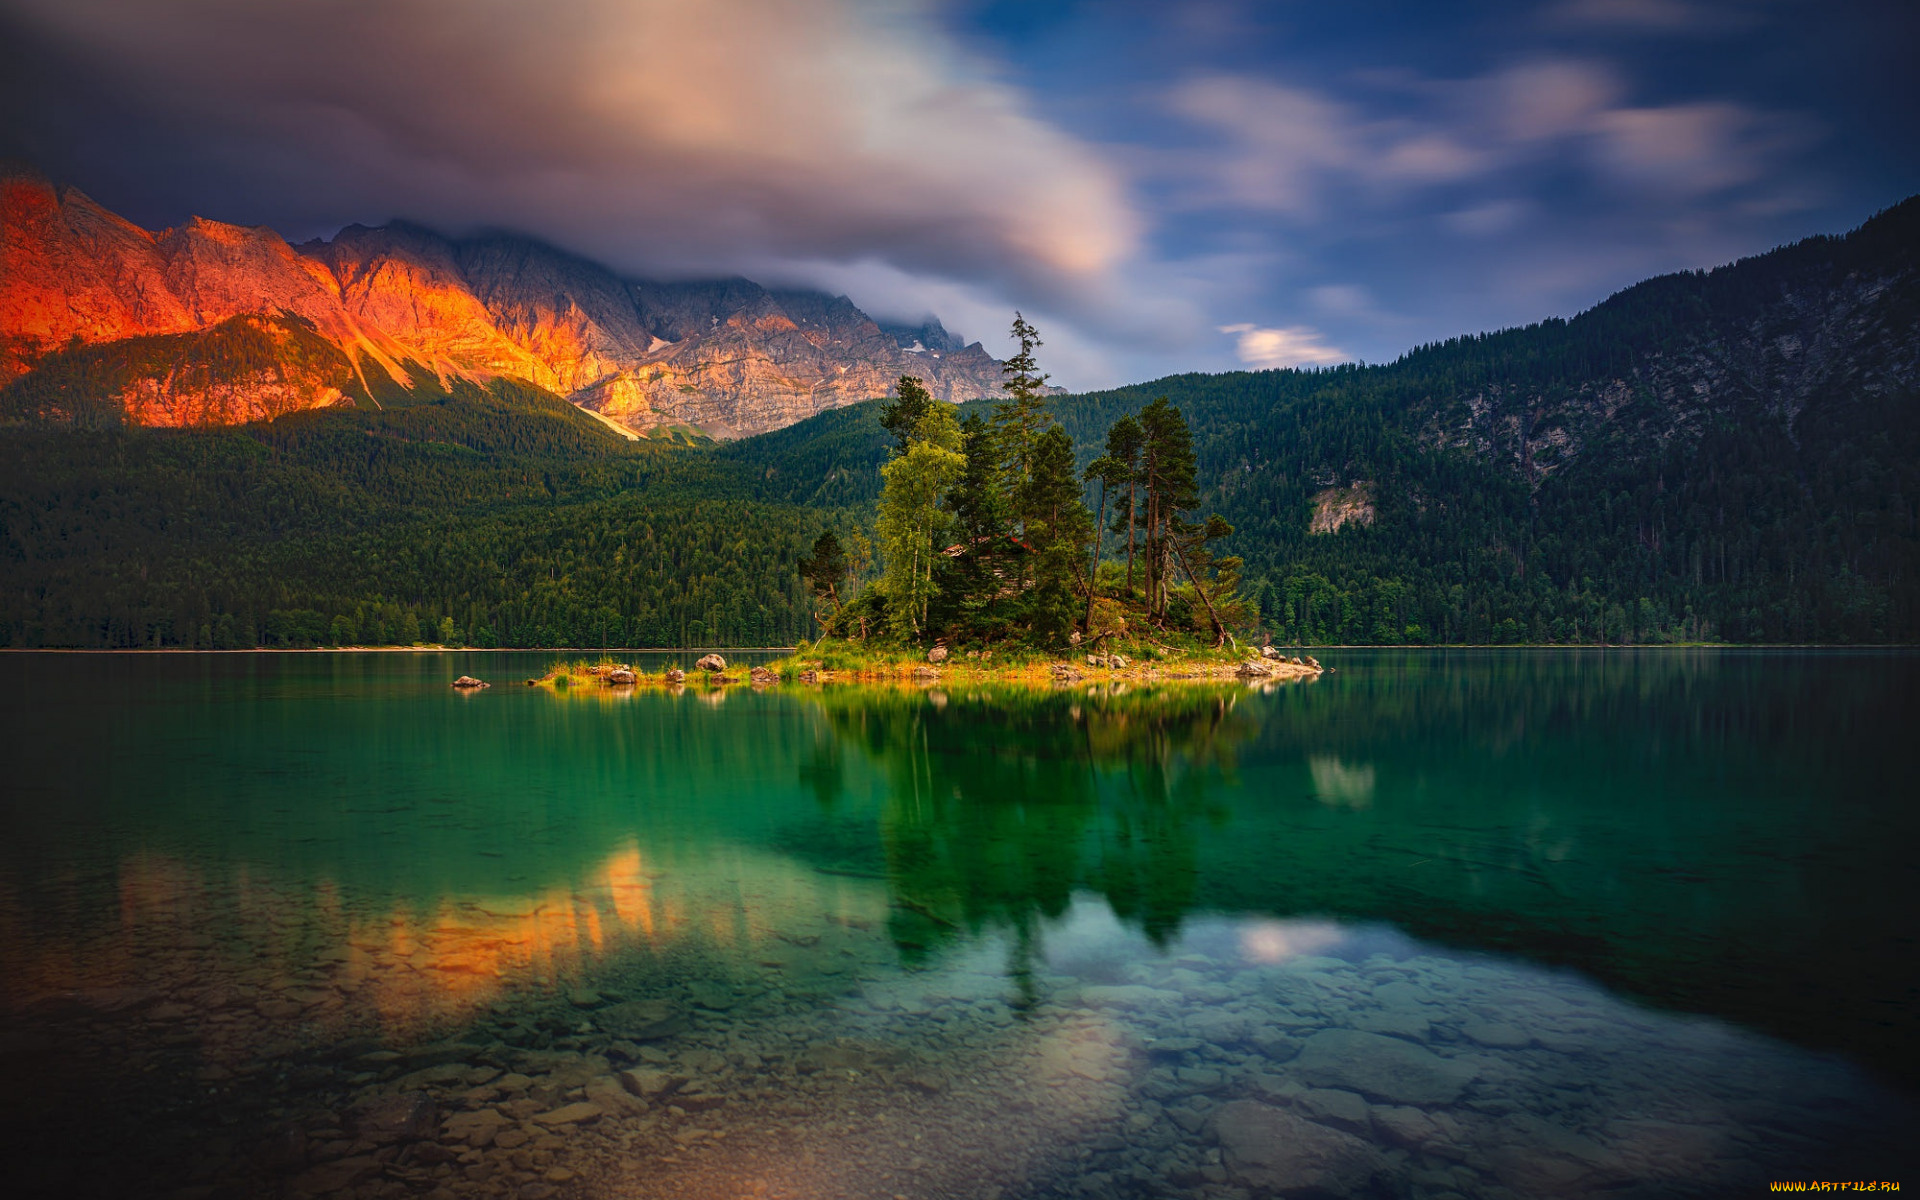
{"x": 658, "y": 135}
{"x": 1548, "y": 99}
{"x": 1304, "y": 155}
{"x": 1486, "y": 220}
{"x": 1296, "y": 346}
{"x": 1284, "y": 138}
{"x": 1636, "y": 16}
{"x": 1693, "y": 148}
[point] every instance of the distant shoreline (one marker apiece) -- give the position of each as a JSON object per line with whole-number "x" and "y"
{"x": 404, "y": 650}
{"x": 791, "y": 649}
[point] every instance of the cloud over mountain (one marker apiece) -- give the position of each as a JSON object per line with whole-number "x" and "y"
{"x": 657, "y": 135}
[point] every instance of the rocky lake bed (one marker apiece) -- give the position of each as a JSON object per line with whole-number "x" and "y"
{"x": 1257, "y": 1058}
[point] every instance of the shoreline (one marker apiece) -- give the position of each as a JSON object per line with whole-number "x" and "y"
{"x": 697, "y": 650}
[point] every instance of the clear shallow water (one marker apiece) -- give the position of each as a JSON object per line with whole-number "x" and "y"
{"x": 1480, "y": 924}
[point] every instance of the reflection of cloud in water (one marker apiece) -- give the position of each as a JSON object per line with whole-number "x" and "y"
{"x": 1338, "y": 784}
{"x": 1276, "y": 941}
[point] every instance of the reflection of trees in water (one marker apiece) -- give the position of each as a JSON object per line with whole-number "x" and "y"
{"x": 1001, "y": 805}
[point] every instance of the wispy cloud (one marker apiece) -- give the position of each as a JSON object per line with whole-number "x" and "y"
{"x": 1293, "y": 151}
{"x": 1641, "y": 16}
{"x": 1297, "y": 346}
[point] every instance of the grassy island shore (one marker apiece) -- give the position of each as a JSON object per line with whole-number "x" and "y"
{"x": 831, "y": 661}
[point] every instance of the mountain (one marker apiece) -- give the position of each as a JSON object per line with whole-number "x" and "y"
{"x": 1726, "y": 454}
{"x": 1714, "y": 455}
{"x": 1731, "y": 453}
{"x": 181, "y": 327}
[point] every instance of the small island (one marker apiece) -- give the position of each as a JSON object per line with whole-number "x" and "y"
{"x": 1000, "y": 557}
{"x": 831, "y": 663}
{"x": 990, "y": 566}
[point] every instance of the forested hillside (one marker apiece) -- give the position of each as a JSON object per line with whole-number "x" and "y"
{"x": 1731, "y": 454}
{"x": 490, "y": 517}
{"x": 1716, "y": 455}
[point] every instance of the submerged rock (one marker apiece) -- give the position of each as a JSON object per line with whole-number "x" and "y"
{"x": 649, "y": 1083}
{"x": 468, "y": 681}
{"x": 1270, "y": 1148}
{"x": 572, "y": 1114}
{"x": 641, "y": 1020}
{"x": 1381, "y": 1068}
{"x": 406, "y": 1117}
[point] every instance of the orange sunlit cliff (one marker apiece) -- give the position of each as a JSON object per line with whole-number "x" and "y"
{"x": 209, "y": 323}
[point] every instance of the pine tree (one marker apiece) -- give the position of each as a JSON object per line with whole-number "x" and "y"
{"x": 1125, "y": 439}
{"x": 824, "y": 569}
{"x": 1111, "y": 473}
{"x": 901, "y": 415}
{"x": 1168, "y": 478}
{"x": 1058, "y": 529}
{"x": 1216, "y": 582}
{"x": 969, "y": 581}
{"x": 1021, "y": 418}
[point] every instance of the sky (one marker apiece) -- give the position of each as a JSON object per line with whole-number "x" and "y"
{"x": 1160, "y": 187}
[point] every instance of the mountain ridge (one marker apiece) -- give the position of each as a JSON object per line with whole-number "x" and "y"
{"x": 725, "y": 357}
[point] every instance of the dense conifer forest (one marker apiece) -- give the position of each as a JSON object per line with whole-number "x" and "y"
{"x": 1727, "y": 455}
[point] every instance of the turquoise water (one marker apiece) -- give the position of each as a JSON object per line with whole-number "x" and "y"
{"x": 1437, "y": 924}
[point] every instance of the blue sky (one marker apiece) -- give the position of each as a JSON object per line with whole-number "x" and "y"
{"x": 1161, "y": 187}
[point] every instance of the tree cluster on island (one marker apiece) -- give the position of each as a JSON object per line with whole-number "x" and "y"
{"x": 985, "y": 538}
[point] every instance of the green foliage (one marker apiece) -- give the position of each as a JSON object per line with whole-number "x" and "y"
{"x": 502, "y": 511}
{"x": 901, "y": 416}
{"x": 825, "y": 569}
{"x": 911, "y": 519}
{"x": 1022, "y": 417}
{"x": 508, "y": 516}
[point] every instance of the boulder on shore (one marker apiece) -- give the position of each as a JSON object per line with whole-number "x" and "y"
{"x": 762, "y": 676}
{"x": 937, "y": 655}
{"x": 676, "y": 675}
{"x": 1253, "y": 668}
{"x": 621, "y": 677}
{"x": 468, "y": 681}
{"x": 711, "y": 663}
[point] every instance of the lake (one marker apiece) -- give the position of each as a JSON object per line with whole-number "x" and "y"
{"x": 1629, "y": 923}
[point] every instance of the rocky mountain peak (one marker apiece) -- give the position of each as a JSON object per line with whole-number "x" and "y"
{"x": 726, "y": 356}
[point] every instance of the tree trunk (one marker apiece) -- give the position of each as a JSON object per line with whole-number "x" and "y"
{"x": 1153, "y": 553}
{"x": 1099, "y": 535}
{"x": 1219, "y": 630}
